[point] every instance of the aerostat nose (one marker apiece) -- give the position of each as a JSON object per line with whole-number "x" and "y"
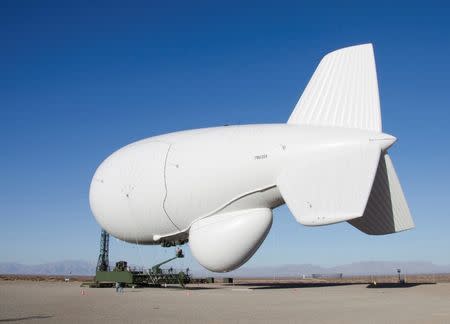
{"x": 385, "y": 140}
{"x": 127, "y": 193}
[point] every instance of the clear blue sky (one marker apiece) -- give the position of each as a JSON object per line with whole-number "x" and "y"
{"x": 79, "y": 81}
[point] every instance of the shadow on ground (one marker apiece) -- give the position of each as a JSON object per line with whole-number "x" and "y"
{"x": 188, "y": 288}
{"x": 398, "y": 285}
{"x": 293, "y": 285}
{"x": 265, "y": 285}
{"x": 25, "y": 318}
{"x": 200, "y": 288}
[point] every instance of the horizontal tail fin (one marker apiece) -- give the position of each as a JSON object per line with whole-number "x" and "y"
{"x": 330, "y": 186}
{"x": 343, "y": 92}
{"x": 387, "y": 210}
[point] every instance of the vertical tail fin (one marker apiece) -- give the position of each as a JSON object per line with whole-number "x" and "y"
{"x": 343, "y": 92}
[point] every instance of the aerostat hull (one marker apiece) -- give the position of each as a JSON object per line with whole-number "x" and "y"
{"x": 217, "y": 186}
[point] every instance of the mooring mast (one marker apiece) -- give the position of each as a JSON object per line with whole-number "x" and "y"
{"x": 103, "y": 257}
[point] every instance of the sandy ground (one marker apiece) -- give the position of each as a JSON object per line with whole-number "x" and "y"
{"x": 59, "y": 302}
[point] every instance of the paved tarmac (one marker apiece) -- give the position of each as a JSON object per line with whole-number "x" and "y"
{"x": 59, "y": 302}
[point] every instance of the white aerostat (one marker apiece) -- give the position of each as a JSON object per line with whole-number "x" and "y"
{"x": 217, "y": 187}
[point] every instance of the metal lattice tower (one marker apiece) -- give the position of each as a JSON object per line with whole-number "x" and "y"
{"x": 103, "y": 257}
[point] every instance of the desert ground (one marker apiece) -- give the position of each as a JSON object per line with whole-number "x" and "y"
{"x": 247, "y": 302}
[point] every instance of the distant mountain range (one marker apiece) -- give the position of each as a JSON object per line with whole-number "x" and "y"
{"x": 290, "y": 270}
{"x": 75, "y": 267}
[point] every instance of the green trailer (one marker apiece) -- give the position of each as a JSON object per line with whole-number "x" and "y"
{"x": 154, "y": 277}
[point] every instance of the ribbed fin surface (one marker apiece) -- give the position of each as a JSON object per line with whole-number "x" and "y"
{"x": 343, "y": 92}
{"x": 387, "y": 210}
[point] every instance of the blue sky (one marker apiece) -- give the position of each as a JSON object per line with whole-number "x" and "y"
{"x": 78, "y": 81}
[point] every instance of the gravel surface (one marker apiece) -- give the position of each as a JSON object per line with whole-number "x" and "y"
{"x": 59, "y": 302}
